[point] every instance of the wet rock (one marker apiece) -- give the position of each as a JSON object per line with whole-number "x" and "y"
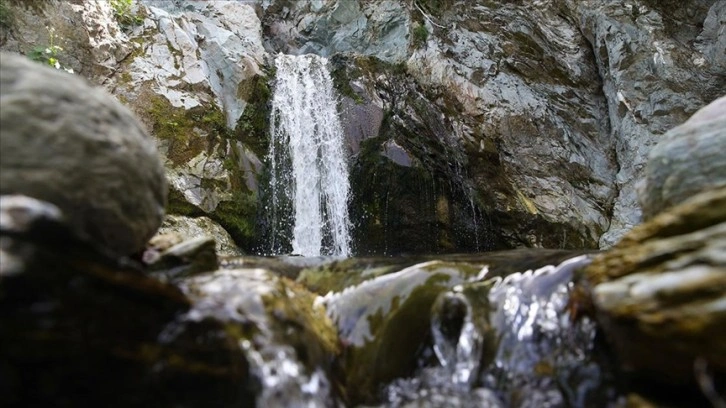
{"x": 384, "y": 323}
{"x": 661, "y": 291}
{"x": 81, "y": 327}
{"x": 408, "y": 171}
{"x": 687, "y": 160}
{"x": 510, "y": 341}
{"x": 82, "y": 151}
{"x": 284, "y": 333}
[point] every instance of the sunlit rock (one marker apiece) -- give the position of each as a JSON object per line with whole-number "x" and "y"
{"x": 191, "y": 227}
{"x": 180, "y": 259}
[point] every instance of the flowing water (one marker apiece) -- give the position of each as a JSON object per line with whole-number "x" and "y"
{"x": 509, "y": 342}
{"x": 307, "y": 159}
{"x": 495, "y": 339}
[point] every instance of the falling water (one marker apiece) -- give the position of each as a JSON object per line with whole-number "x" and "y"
{"x": 307, "y": 157}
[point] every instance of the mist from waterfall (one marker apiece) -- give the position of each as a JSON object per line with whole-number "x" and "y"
{"x": 307, "y": 159}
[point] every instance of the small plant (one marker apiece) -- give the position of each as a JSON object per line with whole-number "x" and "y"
{"x": 122, "y": 10}
{"x": 420, "y": 35}
{"x": 6, "y": 15}
{"x": 48, "y": 55}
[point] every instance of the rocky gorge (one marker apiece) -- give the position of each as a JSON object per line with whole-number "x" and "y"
{"x": 470, "y": 127}
{"x": 521, "y": 126}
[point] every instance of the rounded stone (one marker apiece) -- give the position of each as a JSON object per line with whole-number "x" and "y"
{"x": 688, "y": 160}
{"x": 72, "y": 145}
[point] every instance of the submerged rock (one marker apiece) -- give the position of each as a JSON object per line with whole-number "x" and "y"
{"x": 69, "y": 144}
{"x": 83, "y": 328}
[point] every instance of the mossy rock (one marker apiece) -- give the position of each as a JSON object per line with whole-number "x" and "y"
{"x": 384, "y": 324}
{"x": 660, "y": 290}
{"x": 202, "y": 130}
{"x": 270, "y": 314}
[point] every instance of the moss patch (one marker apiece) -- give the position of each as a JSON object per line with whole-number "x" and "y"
{"x": 6, "y": 15}
{"x": 237, "y": 216}
{"x": 203, "y": 130}
{"x": 182, "y": 128}
{"x": 419, "y": 35}
{"x": 253, "y": 126}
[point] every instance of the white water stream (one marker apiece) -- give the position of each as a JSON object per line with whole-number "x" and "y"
{"x": 307, "y": 156}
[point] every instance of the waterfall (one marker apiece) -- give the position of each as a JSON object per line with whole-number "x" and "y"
{"x": 307, "y": 159}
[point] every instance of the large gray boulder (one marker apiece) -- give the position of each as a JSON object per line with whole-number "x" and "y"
{"x": 689, "y": 159}
{"x": 74, "y": 146}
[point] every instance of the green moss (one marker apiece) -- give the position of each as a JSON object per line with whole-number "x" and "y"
{"x": 435, "y": 7}
{"x": 126, "y": 77}
{"x": 342, "y": 75}
{"x": 122, "y": 11}
{"x": 237, "y": 216}
{"x": 181, "y": 130}
{"x": 177, "y": 204}
{"x": 419, "y": 36}
{"x": 36, "y": 6}
{"x": 181, "y": 127}
{"x": 253, "y": 126}
{"x": 6, "y": 15}
{"x": 346, "y": 69}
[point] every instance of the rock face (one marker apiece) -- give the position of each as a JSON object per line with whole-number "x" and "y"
{"x": 376, "y": 28}
{"x": 658, "y": 66}
{"x": 189, "y": 72}
{"x": 687, "y": 160}
{"x": 67, "y": 143}
{"x": 196, "y": 72}
{"x": 661, "y": 289}
{"x": 90, "y": 40}
{"x": 506, "y": 125}
{"x": 553, "y": 107}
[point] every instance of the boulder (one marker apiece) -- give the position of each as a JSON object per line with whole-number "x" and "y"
{"x": 191, "y": 227}
{"x": 689, "y": 159}
{"x": 84, "y": 329}
{"x": 180, "y": 259}
{"x": 661, "y": 291}
{"x": 64, "y": 142}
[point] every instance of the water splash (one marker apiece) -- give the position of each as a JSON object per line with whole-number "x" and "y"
{"x": 238, "y": 295}
{"x": 543, "y": 354}
{"x": 307, "y": 158}
{"x": 509, "y": 342}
